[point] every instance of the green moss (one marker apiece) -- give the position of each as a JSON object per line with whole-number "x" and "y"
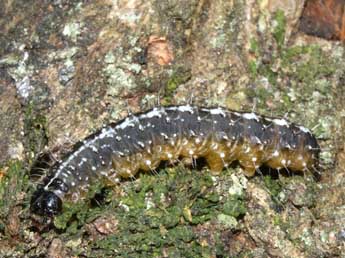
{"x": 258, "y": 69}
{"x": 12, "y": 185}
{"x": 77, "y": 214}
{"x": 292, "y": 79}
{"x": 35, "y": 129}
{"x": 227, "y": 221}
{"x": 274, "y": 186}
{"x": 234, "y": 206}
{"x": 253, "y": 68}
{"x": 179, "y": 76}
{"x": 14, "y": 181}
{"x": 310, "y": 64}
{"x": 278, "y": 220}
{"x": 261, "y": 94}
{"x": 157, "y": 213}
{"x": 307, "y": 67}
{"x": 254, "y": 46}
{"x": 279, "y": 28}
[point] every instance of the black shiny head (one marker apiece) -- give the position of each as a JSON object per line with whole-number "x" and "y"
{"x": 45, "y": 203}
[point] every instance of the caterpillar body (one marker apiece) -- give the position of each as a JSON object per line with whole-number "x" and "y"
{"x": 142, "y": 141}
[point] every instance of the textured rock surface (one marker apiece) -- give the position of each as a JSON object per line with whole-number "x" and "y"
{"x": 67, "y": 67}
{"x": 324, "y": 19}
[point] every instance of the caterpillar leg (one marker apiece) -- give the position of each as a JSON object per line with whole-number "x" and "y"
{"x": 215, "y": 163}
{"x": 249, "y": 171}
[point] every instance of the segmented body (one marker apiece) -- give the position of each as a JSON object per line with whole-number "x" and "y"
{"x": 221, "y": 136}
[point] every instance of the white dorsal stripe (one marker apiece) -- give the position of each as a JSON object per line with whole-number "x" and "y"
{"x": 250, "y": 116}
{"x": 281, "y": 122}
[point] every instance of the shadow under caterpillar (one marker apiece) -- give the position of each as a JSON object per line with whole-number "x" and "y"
{"x": 142, "y": 141}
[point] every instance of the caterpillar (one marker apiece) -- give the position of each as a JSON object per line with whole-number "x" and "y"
{"x": 141, "y": 141}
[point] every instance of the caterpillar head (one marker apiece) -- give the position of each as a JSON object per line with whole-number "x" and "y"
{"x": 45, "y": 203}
